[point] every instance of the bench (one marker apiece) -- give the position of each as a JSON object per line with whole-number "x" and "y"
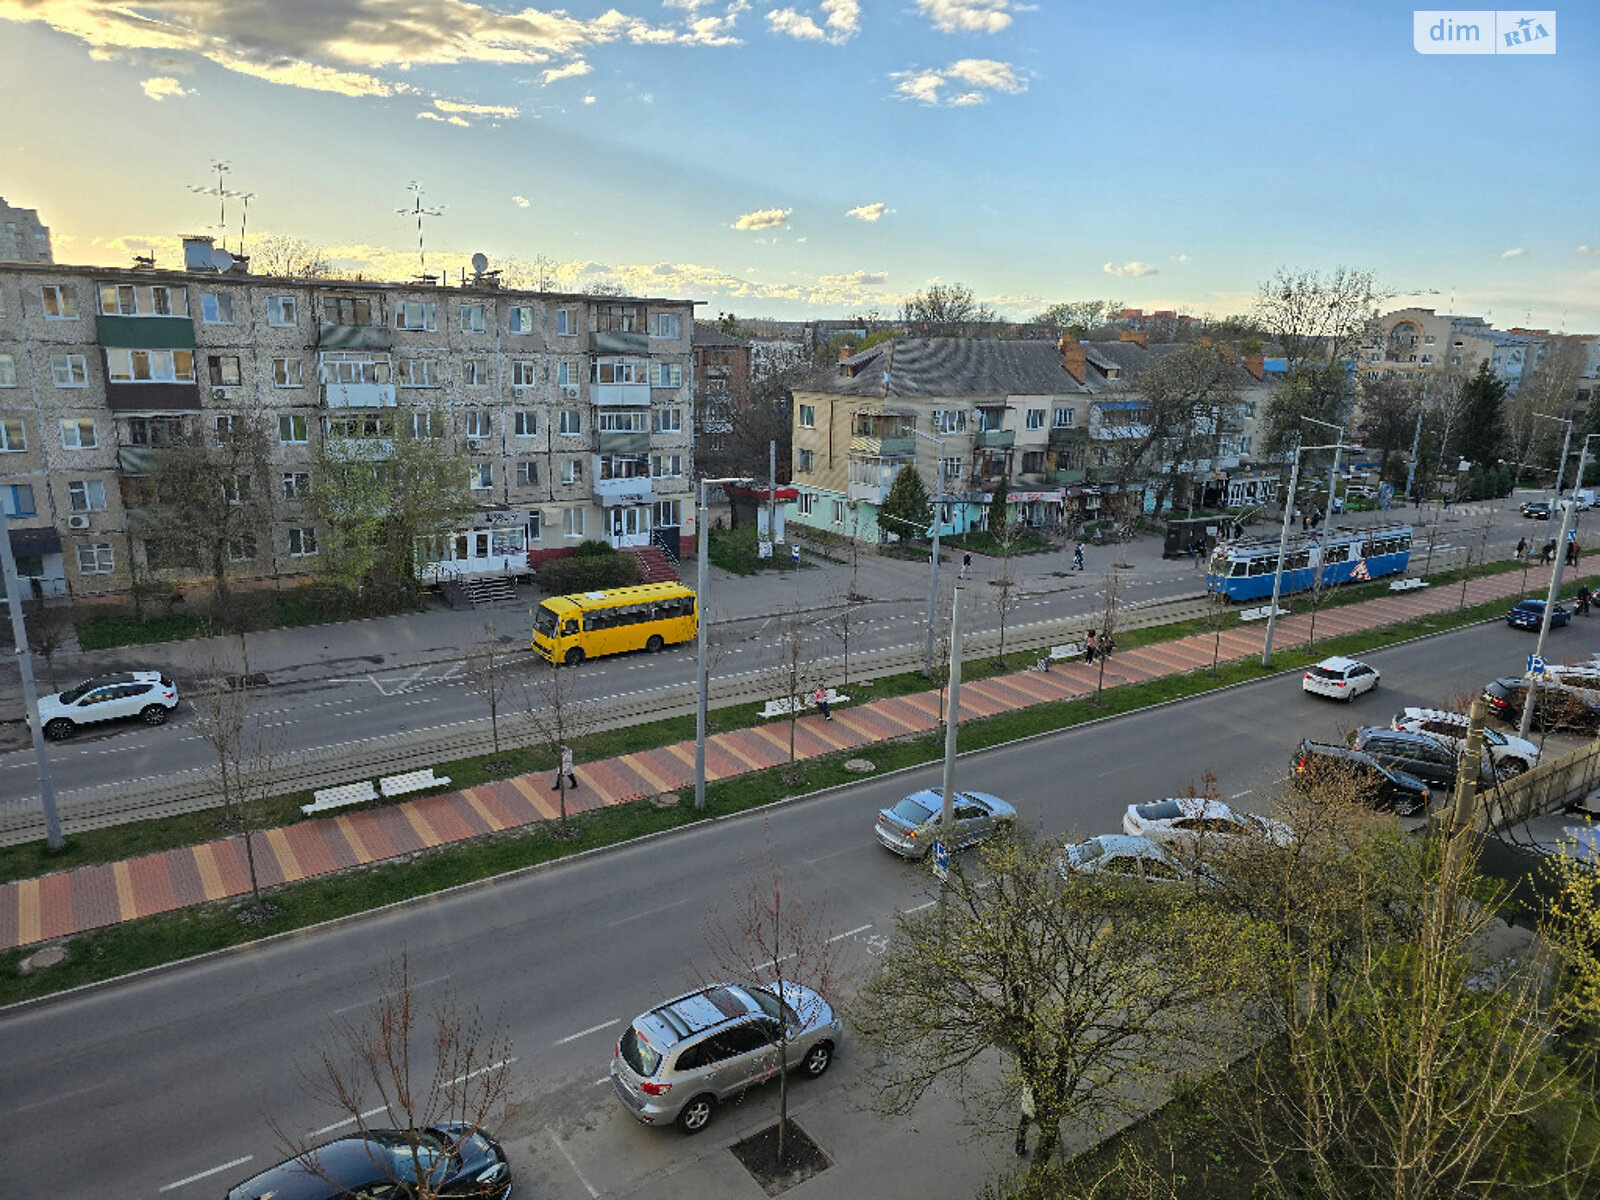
{"x": 783, "y": 708}
{"x": 1068, "y": 652}
{"x": 1262, "y": 613}
{"x": 339, "y": 797}
{"x": 411, "y": 781}
{"x": 1405, "y": 585}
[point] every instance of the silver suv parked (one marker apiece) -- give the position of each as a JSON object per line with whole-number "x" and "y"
{"x": 1511, "y": 755}
{"x": 678, "y": 1061}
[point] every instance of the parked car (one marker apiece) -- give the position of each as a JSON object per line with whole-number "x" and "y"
{"x": 912, "y": 826}
{"x": 1510, "y": 755}
{"x": 459, "y": 1161}
{"x": 1187, "y": 820}
{"x": 1324, "y": 764}
{"x": 148, "y": 695}
{"x": 1418, "y": 755}
{"x": 1557, "y": 706}
{"x": 1361, "y": 491}
{"x": 1538, "y": 510}
{"x": 1528, "y": 614}
{"x": 1341, "y": 678}
{"x": 1121, "y": 856}
{"x": 678, "y": 1061}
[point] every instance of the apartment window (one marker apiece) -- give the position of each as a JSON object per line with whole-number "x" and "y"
{"x": 666, "y": 466}
{"x": 571, "y": 422}
{"x": 481, "y": 476}
{"x": 1374, "y": 357}
{"x": 522, "y": 318}
{"x": 223, "y": 370}
{"x": 572, "y": 471}
{"x": 69, "y": 370}
{"x": 808, "y": 416}
{"x": 616, "y": 318}
{"x": 216, "y": 308}
{"x": 475, "y": 372}
{"x": 243, "y": 548}
{"x": 77, "y": 433}
{"x": 59, "y": 303}
{"x": 419, "y": 372}
{"x": 347, "y": 310}
{"x": 838, "y": 512}
{"x": 568, "y": 374}
{"x": 668, "y": 514}
{"x": 292, "y": 429}
{"x": 1032, "y": 462}
{"x": 1455, "y": 360}
{"x": 155, "y": 431}
{"x": 524, "y": 372}
{"x": 280, "y": 311}
{"x": 354, "y": 366}
{"x": 150, "y": 366}
{"x": 572, "y": 522}
{"x": 952, "y": 468}
{"x": 236, "y": 489}
{"x": 527, "y": 473}
{"x": 472, "y": 318}
{"x": 146, "y": 300}
{"x": 1426, "y": 359}
{"x": 477, "y": 423}
{"x": 427, "y": 426}
{"x": 621, "y": 370}
{"x": 948, "y": 420}
{"x": 667, "y": 420}
{"x": 86, "y": 495}
{"x": 526, "y": 424}
{"x": 287, "y": 373}
{"x": 1035, "y": 418}
{"x": 8, "y": 371}
{"x": 807, "y": 503}
{"x": 415, "y": 314}
{"x": 302, "y": 542}
{"x": 804, "y": 460}
{"x": 17, "y": 499}
{"x": 1062, "y": 418}
{"x": 669, "y": 374}
{"x": 666, "y": 325}
{"x": 224, "y": 426}
{"x": 565, "y": 325}
{"x": 96, "y": 559}
{"x": 621, "y": 422}
{"x": 296, "y": 485}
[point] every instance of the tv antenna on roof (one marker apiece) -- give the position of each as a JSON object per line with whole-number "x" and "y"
{"x": 419, "y": 212}
{"x": 221, "y": 167}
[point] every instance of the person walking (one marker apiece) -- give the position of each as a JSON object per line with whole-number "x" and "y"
{"x": 1522, "y": 548}
{"x": 966, "y": 564}
{"x": 1572, "y": 553}
{"x": 1077, "y": 558}
{"x": 820, "y": 699}
{"x": 1089, "y": 646}
{"x": 565, "y": 769}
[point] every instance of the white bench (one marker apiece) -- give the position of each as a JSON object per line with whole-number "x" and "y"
{"x": 411, "y": 781}
{"x": 783, "y": 708}
{"x": 1405, "y": 585}
{"x": 1067, "y": 652}
{"x": 339, "y": 797}
{"x": 1262, "y": 613}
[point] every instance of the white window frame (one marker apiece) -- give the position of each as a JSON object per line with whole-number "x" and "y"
{"x": 69, "y": 370}
{"x": 1062, "y": 418}
{"x": 524, "y": 372}
{"x": 86, "y": 495}
{"x": 667, "y": 420}
{"x": 838, "y": 512}
{"x": 72, "y": 431}
{"x": 302, "y": 541}
{"x": 474, "y": 318}
{"x": 242, "y": 548}
{"x": 216, "y": 308}
{"x": 565, "y": 325}
{"x": 8, "y": 371}
{"x": 58, "y": 302}
{"x": 571, "y": 422}
{"x": 477, "y": 423}
{"x": 282, "y": 312}
{"x": 427, "y": 425}
{"x": 224, "y": 370}
{"x": 420, "y": 372}
{"x": 526, "y": 424}
{"x": 572, "y": 522}
{"x": 416, "y": 316}
{"x": 149, "y": 366}
{"x": 666, "y": 466}
{"x": 1035, "y": 418}
{"x": 475, "y": 372}
{"x": 480, "y": 477}
{"x": 13, "y": 435}
{"x": 666, "y": 325}
{"x": 296, "y": 426}
{"x": 669, "y": 375}
{"x": 296, "y": 485}
{"x": 808, "y": 416}
{"x": 571, "y": 472}
{"x": 96, "y": 558}
{"x": 528, "y": 472}
{"x": 288, "y": 373}
{"x": 519, "y": 319}
{"x": 803, "y": 460}
{"x": 667, "y": 514}
{"x": 807, "y": 503}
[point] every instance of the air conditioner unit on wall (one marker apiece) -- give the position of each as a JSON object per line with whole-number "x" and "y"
{"x": 570, "y": 391}
{"x": 218, "y": 393}
{"x": 77, "y": 521}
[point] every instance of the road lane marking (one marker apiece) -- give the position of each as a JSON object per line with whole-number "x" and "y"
{"x": 586, "y": 1032}
{"x": 920, "y": 907}
{"x": 238, "y": 1162}
{"x": 839, "y": 937}
{"x": 339, "y": 1012}
{"x": 371, "y": 1112}
{"x": 648, "y": 913}
{"x": 504, "y": 1062}
{"x": 594, "y": 1195}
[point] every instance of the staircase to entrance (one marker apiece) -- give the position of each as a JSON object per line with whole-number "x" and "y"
{"x": 655, "y": 564}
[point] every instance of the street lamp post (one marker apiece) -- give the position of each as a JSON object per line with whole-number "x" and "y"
{"x": 702, "y": 553}
{"x": 1566, "y": 442}
{"x": 933, "y": 571}
{"x": 1283, "y": 546}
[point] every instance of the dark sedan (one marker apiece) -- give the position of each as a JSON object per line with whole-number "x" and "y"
{"x": 454, "y": 1159}
{"x": 1538, "y": 510}
{"x": 1527, "y": 614}
{"x": 1557, "y": 708}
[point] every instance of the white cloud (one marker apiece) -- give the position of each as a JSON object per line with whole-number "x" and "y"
{"x": 980, "y": 77}
{"x": 1514, "y": 252}
{"x": 1180, "y": 258}
{"x": 588, "y": 99}
{"x": 1587, "y": 249}
{"x": 842, "y": 19}
{"x": 1129, "y": 269}
{"x": 164, "y": 87}
{"x": 520, "y": 201}
{"x": 432, "y": 116}
{"x": 854, "y": 279}
{"x": 868, "y": 212}
{"x": 571, "y": 71}
{"x": 966, "y": 16}
{"x": 765, "y": 218}
{"x": 475, "y": 110}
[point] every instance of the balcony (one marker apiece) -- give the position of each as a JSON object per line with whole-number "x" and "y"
{"x": 994, "y": 439}
{"x": 358, "y": 449}
{"x": 152, "y": 397}
{"x": 354, "y": 337}
{"x": 629, "y": 442}
{"x": 137, "y": 460}
{"x": 884, "y": 445}
{"x": 620, "y": 395}
{"x": 1065, "y": 478}
{"x": 622, "y": 489}
{"x": 1068, "y": 436}
{"x": 144, "y": 333}
{"x": 610, "y": 342}
{"x": 358, "y": 395}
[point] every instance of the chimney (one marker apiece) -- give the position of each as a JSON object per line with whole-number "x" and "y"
{"x": 845, "y": 352}
{"x": 1073, "y": 359}
{"x": 1227, "y": 350}
{"x": 197, "y": 252}
{"x": 1256, "y": 365}
{"x": 1204, "y": 340}
{"x": 1141, "y": 338}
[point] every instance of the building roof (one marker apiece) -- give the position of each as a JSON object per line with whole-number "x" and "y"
{"x": 710, "y": 335}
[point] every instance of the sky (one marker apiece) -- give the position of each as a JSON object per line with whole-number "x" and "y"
{"x": 824, "y": 158}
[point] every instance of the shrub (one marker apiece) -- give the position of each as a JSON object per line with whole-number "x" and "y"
{"x": 588, "y": 572}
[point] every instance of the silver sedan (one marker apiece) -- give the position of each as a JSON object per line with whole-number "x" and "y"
{"x": 912, "y": 826}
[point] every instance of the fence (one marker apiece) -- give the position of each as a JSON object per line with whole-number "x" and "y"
{"x": 1546, "y": 788}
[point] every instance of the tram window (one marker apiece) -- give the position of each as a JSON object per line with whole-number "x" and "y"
{"x": 1240, "y": 569}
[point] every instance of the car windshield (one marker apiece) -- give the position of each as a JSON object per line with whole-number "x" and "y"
{"x": 1166, "y": 810}
{"x": 1326, "y": 673}
{"x": 775, "y": 1008}
{"x": 638, "y": 1053}
{"x": 75, "y": 694}
{"x": 431, "y": 1157}
{"x": 544, "y": 620}
{"x": 912, "y": 812}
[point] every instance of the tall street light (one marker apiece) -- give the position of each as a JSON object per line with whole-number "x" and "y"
{"x": 933, "y": 572}
{"x": 702, "y": 554}
{"x": 1566, "y": 441}
{"x": 1283, "y": 545}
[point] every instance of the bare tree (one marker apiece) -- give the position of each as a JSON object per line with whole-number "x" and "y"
{"x": 1108, "y": 627}
{"x": 440, "y": 1069}
{"x": 49, "y": 628}
{"x": 1319, "y": 318}
{"x": 1008, "y": 588}
{"x": 288, "y": 258}
{"x": 488, "y": 667}
{"x": 797, "y": 672}
{"x": 558, "y": 718}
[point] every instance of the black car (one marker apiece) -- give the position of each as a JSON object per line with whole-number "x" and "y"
{"x": 1557, "y": 707}
{"x": 456, "y": 1159}
{"x": 1538, "y": 510}
{"x": 1321, "y": 763}
{"x": 1414, "y": 754}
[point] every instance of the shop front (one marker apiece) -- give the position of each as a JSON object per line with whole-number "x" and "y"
{"x": 495, "y": 544}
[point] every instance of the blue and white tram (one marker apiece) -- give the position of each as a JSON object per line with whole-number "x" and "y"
{"x": 1243, "y": 569}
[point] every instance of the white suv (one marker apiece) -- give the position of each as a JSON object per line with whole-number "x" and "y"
{"x": 1510, "y": 755}
{"x": 148, "y": 695}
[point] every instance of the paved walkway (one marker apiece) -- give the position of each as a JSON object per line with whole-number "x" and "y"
{"x": 55, "y": 906}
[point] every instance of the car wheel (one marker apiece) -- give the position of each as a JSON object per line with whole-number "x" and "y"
{"x": 654, "y": 644}
{"x": 574, "y": 657}
{"x": 1509, "y": 768}
{"x": 817, "y": 1059}
{"x": 697, "y": 1114}
{"x": 60, "y": 729}
{"x": 1412, "y": 806}
{"x": 153, "y": 714}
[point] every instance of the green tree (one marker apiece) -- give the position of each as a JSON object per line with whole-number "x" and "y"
{"x": 906, "y": 509}
{"x": 946, "y": 304}
{"x": 999, "y": 510}
{"x": 1483, "y": 429}
{"x": 1079, "y": 317}
{"x": 1321, "y": 391}
{"x": 1189, "y": 394}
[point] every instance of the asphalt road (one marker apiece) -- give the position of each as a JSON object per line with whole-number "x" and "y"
{"x": 166, "y": 1085}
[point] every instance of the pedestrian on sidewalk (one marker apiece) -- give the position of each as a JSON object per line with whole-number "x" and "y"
{"x": 1089, "y": 646}
{"x": 1572, "y": 553}
{"x": 820, "y": 699}
{"x": 1522, "y": 548}
{"x": 966, "y": 564}
{"x": 1077, "y": 558}
{"x": 565, "y": 769}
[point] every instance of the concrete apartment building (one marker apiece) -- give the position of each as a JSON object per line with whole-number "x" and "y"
{"x": 22, "y": 237}
{"x": 1419, "y": 341}
{"x": 574, "y": 411}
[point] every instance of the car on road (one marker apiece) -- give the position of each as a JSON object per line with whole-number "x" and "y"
{"x": 148, "y": 695}
{"x": 1117, "y": 855}
{"x": 1418, "y": 755}
{"x": 1361, "y": 491}
{"x": 1537, "y": 510}
{"x": 1528, "y": 614}
{"x": 455, "y": 1160}
{"x": 912, "y": 826}
{"x": 681, "y": 1059}
{"x": 1558, "y": 707}
{"x": 1363, "y": 777}
{"x": 1510, "y": 755}
{"x": 1339, "y": 677}
{"x": 1187, "y": 821}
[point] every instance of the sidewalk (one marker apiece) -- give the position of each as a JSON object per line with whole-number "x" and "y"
{"x": 57, "y": 906}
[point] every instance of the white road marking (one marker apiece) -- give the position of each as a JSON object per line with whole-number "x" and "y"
{"x": 371, "y": 1112}
{"x": 586, "y": 1032}
{"x": 648, "y": 913}
{"x": 1236, "y": 795}
{"x": 594, "y": 1195}
{"x": 238, "y": 1162}
{"x": 504, "y": 1062}
{"x": 339, "y": 1012}
{"x": 920, "y": 907}
{"x": 839, "y": 937}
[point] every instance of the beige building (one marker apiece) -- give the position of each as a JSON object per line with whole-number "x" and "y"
{"x": 1420, "y": 342}
{"x": 574, "y": 411}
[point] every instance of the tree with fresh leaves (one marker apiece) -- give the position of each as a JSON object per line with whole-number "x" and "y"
{"x": 999, "y": 516}
{"x": 1386, "y": 414}
{"x": 1190, "y": 395}
{"x": 907, "y": 510}
{"x": 946, "y": 304}
{"x": 1483, "y": 431}
{"x": 1079, "y": 317}
{"x": 1321, "y": 391}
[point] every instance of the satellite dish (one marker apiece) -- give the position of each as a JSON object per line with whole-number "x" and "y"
{"x": 480, "y": 262}
{"x": 222, "y": 260}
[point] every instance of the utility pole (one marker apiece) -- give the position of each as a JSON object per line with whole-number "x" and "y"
{"x": 952, "y": 725}
{"x": 30, "y": 693}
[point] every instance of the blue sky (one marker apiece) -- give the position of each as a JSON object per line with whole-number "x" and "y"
{"x": 827, "y": 157}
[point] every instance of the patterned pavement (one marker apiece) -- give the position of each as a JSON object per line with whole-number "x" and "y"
{"x": 55, "y": 906}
